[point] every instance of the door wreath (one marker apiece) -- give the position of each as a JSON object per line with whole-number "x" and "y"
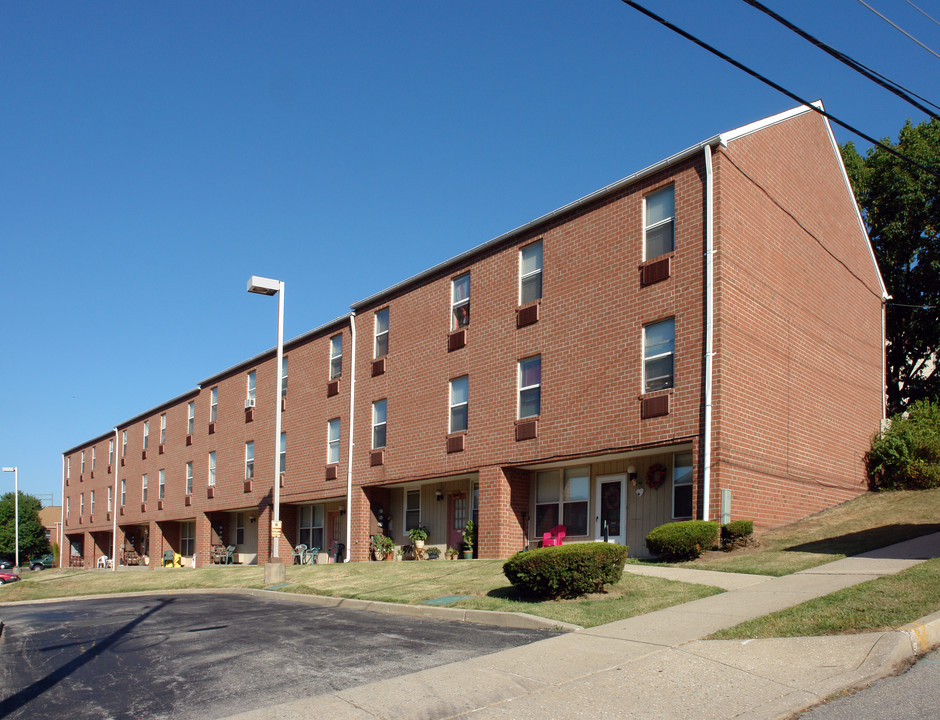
{"x": 656, "y": 475}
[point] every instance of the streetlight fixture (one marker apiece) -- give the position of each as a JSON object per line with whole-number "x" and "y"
{"x": 16, "y": 511}
{"x": 267, "y": 286}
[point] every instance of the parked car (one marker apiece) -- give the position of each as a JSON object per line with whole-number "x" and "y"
{"x": 6, "y": 565}
{"x": 40, "y": 563}
{"x": 6, "y": 577}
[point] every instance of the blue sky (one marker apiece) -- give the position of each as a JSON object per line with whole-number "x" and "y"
{"x": 153, "y": 156}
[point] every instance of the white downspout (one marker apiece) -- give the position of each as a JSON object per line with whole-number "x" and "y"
{"x": 352, "y": 411}
{"x": 709, "y": 329}
{"x": 114, "y": 510}
{"x": 62, "y": 518}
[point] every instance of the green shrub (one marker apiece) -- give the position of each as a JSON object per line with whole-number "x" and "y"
{"x": 736, "y": 533}
{"x": 906, "y": 456}
{"x": 566, "y": 570}
{"x": 684, "y": 540}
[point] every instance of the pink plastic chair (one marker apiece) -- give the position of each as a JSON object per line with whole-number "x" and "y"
{"x": 555, "y": 536}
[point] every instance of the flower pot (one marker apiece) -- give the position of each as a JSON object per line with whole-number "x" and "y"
{"x": 419, "y": 544}
{"x": 467, "y": 555}
{"x": 390, "y": 556}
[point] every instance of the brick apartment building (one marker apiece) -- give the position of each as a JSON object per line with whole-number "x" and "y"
{"x": 703, "y": 339}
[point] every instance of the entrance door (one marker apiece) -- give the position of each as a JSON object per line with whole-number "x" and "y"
{"x": 456, "y": 519}
{"x": 610, "y": 520}
{"x": 334, "y": 524}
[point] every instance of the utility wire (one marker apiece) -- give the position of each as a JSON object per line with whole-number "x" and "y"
{"x": 780, "y": 88}
{"x": 922, "y": 12}
{"x": 899, "y": 29}
{"x": 886, "y": 83}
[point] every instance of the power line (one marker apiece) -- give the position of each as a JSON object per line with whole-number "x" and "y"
{"x": 898, "y": 28}
{"x": 780, "y": 88}
{"x": 922, "y": 12}
{"x": 876, "y": 77}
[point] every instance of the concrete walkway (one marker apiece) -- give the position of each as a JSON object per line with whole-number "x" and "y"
{"x": 657, "y": 665}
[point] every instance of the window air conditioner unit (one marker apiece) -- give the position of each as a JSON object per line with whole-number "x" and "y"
{"x": 249, "y": 403}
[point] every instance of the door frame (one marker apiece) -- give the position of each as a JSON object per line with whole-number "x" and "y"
{"x": 620, "y": 539}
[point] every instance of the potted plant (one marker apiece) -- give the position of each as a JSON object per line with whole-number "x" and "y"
{"x": 451, "y": 553}
{"x": 468, "y": 540}
{"x": 418, "y": 535}
{"x": 384, "y": 546}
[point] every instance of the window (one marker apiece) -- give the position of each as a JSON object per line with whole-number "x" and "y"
{"x": 188, "y": 538}
{"x": 68, "y": 507}
{"x": 249, "y": 460}
{"x": 459, "y": 402}
{"x": 659, "y": 222}
{"x": 83, "y": 463}
{"x": 123, "y": 493}
{"x": 530, "y": 387}
{"x": 336, "y": 356}
{"x": 124, "y": 443}
{"x": 68, "y": 467}
{"x": 92, "y": 511}
{"x": 284, "y": 376}
{"x": 161, "y": 485}
{"x": 94, "y": 458}
{"x": 239, "y": 528}
{"x": 311, "y": 526}
{"x": 332, "y": 440}
{"x": 191, "y": 417}
{"x": 213, "y": 404}
{"x": 189, "y": 478}
{"x": 162, "y": 428}
{"x": 111, "y": 451}
{"x": 460, "y": 301}
{"x": 381, "y": 333}
{"x": 212, "y": 468}
{"x": 412, "y": 509}
{"x": 252, "y": 382}
{"x": 81, "y": 504}
{"x": 378, "y": 424}
{"x": 530, "y": 273}
{"x": 146, "y": 434}
{"x": 659, "y": 341}
{"x": 562, "y": 499}
{"x": 682, "y": 486}
{"x": 143, "y": 488}
{"x": 110, "y": 498}
{"x": 282, "y": 456}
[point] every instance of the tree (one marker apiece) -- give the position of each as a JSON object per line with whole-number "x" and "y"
{"x": 32, "y": 534}
{"x": 900, "y": 208}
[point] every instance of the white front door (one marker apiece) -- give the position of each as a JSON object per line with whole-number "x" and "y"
{"x": 611, "y": 509}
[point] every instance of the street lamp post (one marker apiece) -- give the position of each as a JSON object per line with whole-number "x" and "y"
{"x": 267, "y": 286}
{"x": 16, "y": 511}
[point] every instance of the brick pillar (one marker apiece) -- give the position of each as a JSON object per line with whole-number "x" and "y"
{"x": 119, "y": 555}
{"x": 156, "y": 544}
{"x": 504, "y": 502}
{"x": 361, "y": 525}
{"x": 204, "y": 535}
{"x": 88, "y": 550}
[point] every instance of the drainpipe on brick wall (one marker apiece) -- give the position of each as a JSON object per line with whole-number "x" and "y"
{"x": 709, "y": 329}
{"x": 62, "y": 513}
{"x": 113, "y": 508}
{"x": 352, "y": 410}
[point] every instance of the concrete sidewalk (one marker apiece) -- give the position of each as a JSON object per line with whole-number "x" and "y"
{"x": 657, "y": 665}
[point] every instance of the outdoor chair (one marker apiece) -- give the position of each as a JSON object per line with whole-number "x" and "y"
{"x": 103, "y": 561}
{"x": 312, "y": 555}
{"x": 226, "y": 557}
{"x": 555, "y": 536}
{"x": 168, "y": 558}
{"x": 299, "y": 556}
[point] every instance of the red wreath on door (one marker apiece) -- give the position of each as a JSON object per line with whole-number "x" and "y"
{"x": 656, "y": 475}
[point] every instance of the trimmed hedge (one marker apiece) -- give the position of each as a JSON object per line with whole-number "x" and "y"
{"x": 684, "y": 540}
{"x": 736, "y": 532}
{"x": 566, "y": 570}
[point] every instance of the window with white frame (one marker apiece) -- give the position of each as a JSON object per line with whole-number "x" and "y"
{"x": 561, "y": 498}
{"x": 68, "y": 467}
{"x": 94, "y": 458}
{"x": 530, "y": 387}
{"x": 336, "y": 356}
{"x": 111, "y": 451}
{"x": 459, "y": 403}
{"x": 379, "y": 417}
{"x": 189, "y": 478}
{"x": 251, "y": 386}
{"x": 213, "y": 404}
{"x": 212, "y": 468}
{"x": 123, "y": 493}
{"x": 68, "y": 507}
{"x": 191, "y": 417}
{"x": 284, "y": 376}
{"x": 146, "y": 434}
{"x": 311, "y": 526}
{"x": 81, "y": 504}
{"x": 92, "y": 510}
{"x": 381, "y": 333}
{"x": 83, "y": 463}
{"x": 162, "y": 428}
{"x": 659, "y": 223}
{"x": 659, "y": 345}
{"x": 249, "y": 460}
{"x": 282, "y": 455}
{"x": 460, "y": 301}
{"x": 161, "y": 485}
{"x": 143, "y": 487}
{"x": 332, "y": 440}
{"x": 110, "y": 498}
{"x": 124, "y": 443}
{"x": 188, "y": 538}
{"x": 412, "y": 509}
{"x": 530, "y": 273}
{"x": 240, "y": 528}
{"x": 682, "y": 485}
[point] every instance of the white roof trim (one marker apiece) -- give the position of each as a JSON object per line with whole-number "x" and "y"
{"x": 740, "y": 132}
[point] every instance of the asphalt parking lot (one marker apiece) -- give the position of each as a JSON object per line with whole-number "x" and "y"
{"x": 212, "y": 655}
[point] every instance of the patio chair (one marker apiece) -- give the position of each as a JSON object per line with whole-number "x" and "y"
{"x": 555, "y": 536}
{"x": 312, "y": 555}
{"x": 168, "y": 558}
{"x": 103, "y": 561}
{"x": 226, "y": 557}
{"x": 299, "y": 556}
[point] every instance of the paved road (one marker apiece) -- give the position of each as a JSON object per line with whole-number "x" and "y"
{"x": 211, "y": 655}
{"x": 913, "y": 695}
